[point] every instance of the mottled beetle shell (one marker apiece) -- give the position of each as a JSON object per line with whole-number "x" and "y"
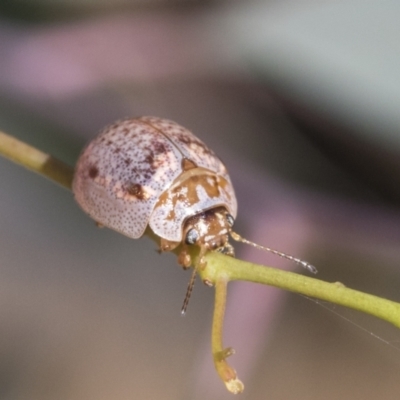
{"x": 150, "y": 171}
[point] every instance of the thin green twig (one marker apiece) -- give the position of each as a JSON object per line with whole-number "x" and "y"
{"x": 35, "y": 160}
{"x": 219, "y": 265}
{"x": 220, "y": 354}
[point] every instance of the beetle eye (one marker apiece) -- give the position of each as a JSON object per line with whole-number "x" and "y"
{"x": 230, "y": 220}
{"x": 192, "y": 236}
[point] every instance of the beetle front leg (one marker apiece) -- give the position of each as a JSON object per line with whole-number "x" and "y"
{"x": 167, "y": 245}
{"x": 184, "y": 258}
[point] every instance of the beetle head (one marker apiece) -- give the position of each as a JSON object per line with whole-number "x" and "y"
{"x": 209, "y": 230}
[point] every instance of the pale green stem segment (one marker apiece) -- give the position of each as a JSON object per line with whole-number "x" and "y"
{"x": 225, "y": 371}
{"x": 221, "y": 269}
{"x": 35, "y": 160}
{"x": 232, "y": 269}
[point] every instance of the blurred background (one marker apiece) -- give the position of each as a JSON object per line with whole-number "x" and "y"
{"x": 300, "y": 99}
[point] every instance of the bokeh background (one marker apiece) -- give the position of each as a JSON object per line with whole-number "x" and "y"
{"x": 301, "y": 100}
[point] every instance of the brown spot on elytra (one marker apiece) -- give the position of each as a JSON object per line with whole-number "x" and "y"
{"x": 149, "y": 159}
{"x": 195, "y": 144}
{"x": 136, "y": 190}
{"x": 93, "y": 172}
{"x": 159, "y": 147}
{"x": 127, "y": 161}
{"x": 113, "y": 127}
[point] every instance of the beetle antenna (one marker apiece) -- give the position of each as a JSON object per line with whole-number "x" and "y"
{"x": 304, "y": 264}
{"x": 199, "y": 262}
{"x": 189, "y": 291}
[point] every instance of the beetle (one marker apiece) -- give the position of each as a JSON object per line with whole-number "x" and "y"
{"x": 151, "y": 173}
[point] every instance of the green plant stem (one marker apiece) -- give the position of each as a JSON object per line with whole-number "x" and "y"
{"x": 231, "y": 269}
{"x": 225, "y": 371}
{"x": 35, "y": 160}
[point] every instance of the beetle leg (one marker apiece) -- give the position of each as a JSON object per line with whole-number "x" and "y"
{"x": 227, "y": 249}
{"x": 167, "y": 245}
{"x": 184, "y": 258}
